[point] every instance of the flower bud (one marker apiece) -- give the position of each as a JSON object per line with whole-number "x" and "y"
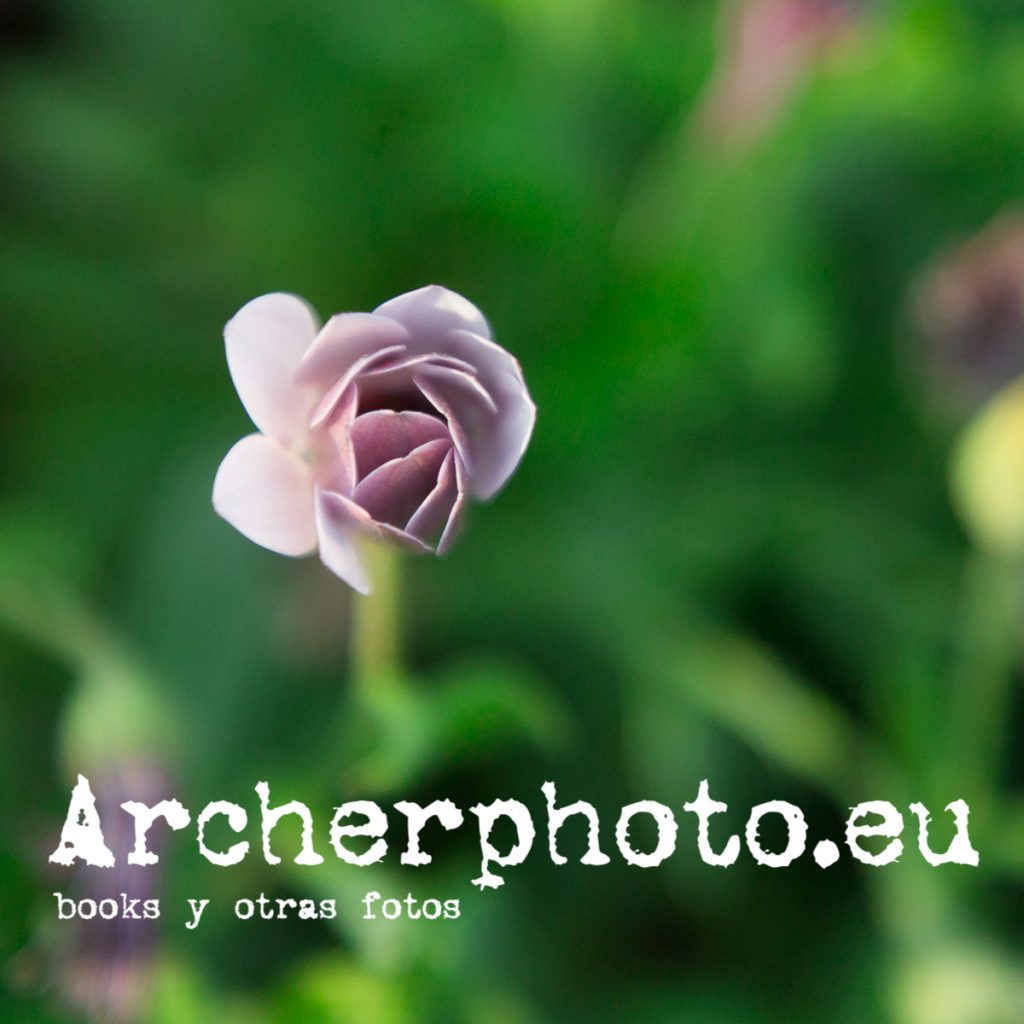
{"x": 988, "y": 474}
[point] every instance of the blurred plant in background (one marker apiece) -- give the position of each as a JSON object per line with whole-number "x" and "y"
{"x": 732, "y": 553}
{"x": 970, "y": 310}
{"x": 116, "y": 728}
{"x": 765, "y": 46}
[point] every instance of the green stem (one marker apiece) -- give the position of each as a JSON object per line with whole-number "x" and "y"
{"x": 114, "y": 710}
{"x": 53, "y": 621}
{"x": 982, "y": 689}
{"x": 375, "y": 630}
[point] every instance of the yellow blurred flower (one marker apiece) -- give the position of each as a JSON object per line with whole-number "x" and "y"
{"x": 988, "y": 474}
{"x": 958, "y": 986}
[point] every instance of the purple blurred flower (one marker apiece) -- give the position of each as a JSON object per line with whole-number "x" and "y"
{"x": 378, "y": 424}
{"x": 104, "y": 969}
{"x": 969, "y": 308}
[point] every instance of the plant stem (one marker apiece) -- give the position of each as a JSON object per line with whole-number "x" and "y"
{"x": 375, "y": 630}
{"x": 54, "y": 621}
{"x": 114, "y": 709}
{"x": 983, "y": 682}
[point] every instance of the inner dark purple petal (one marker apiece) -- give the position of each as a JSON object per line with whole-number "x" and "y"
{"x": 394, "y": 491}
{"x": 431, "y": 517}
{"x": 395, "y": 391}
{"x": 383, "y": 434}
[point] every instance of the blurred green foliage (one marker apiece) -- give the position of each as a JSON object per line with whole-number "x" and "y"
{"x": 729, "y": 553}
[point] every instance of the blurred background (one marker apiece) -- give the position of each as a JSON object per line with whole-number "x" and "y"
{"x": 763, "y": 264}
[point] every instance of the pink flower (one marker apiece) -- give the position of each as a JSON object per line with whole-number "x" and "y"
{"x": 379, "y": 424}
{"x": 764, "y": 48}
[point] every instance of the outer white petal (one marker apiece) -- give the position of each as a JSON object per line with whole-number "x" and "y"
{"x": 266, "y": 493}
{"x": 339, "y": 540}
{"x": 265, "y": 340}
{"x": 344, "y": 340}
{"x": 435, "y": 310}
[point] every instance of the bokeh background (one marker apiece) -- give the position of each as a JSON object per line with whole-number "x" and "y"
{"x": 763, "y": 265}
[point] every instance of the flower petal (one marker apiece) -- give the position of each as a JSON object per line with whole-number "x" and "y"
{"x": 467, "y": 401}
{"x": 391, "y": 384}
{"x": 499, "y": 448}
{"x": 495, "y": 445}
{"x": 392, "y": 492}
{"x": 266, "y": 494}
{"x": 338, "y": 535}
{"x": 431, "y": 517}
{"x": 332, "y": 446}
{"x": 358, "y": 519}
{"x": 345, "y": 339}
{"x": 435, "y": 310}
{"x": 265, "y": 341}
{"x": 382, "y": 435}
{"x": 491, "y": 437}
{"x": 457, "y": 515}
{"x": 461, "y": 385}
{"x": 408, "y": 362}
{"x": 327, "y": 406}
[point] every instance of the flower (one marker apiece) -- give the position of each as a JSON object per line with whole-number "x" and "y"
{"x": 968, "y": 305}
{"x": 379, "y": 424}
{"x": 988, "y": 474}
{"x": 104, "y": 966}
{"x": 764, "y": 48}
